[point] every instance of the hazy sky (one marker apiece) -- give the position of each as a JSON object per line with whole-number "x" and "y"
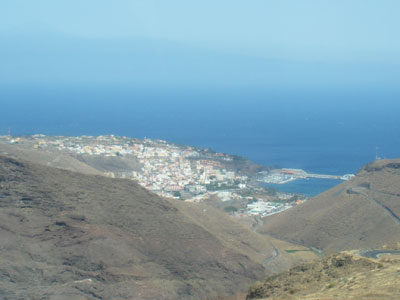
{"x": 362, "y": 33}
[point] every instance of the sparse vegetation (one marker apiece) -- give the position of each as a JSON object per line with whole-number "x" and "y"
{"x": 230, "y": 209}
{"x": 220, "y": 187}
{"x": 113, "y": 238}
{"x": 330, "y": 285}
{"x": 297, "y": 250}
{"x": 356, "y": 276}
{"x": 253, "y": 200}
{"x": 177, "y": 194}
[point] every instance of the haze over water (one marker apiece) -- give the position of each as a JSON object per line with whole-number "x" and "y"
{"x": 311, "y": 85}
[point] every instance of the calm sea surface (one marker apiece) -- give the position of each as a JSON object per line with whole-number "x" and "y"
{"x": 326, "y": 131}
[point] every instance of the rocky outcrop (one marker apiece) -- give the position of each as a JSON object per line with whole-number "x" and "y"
{"x": 344, "y": 275}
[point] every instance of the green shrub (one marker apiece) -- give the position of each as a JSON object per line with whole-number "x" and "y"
{"x": 230, "y": 209}
{"x": 331, "y": 285}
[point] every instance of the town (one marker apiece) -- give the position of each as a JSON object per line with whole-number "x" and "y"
{"x": 174, "y": 171}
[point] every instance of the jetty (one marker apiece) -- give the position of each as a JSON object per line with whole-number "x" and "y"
{"x": 282, "y": 176}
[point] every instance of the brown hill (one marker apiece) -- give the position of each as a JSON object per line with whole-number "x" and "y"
{"x": 110, "y": 164}
{"x": 360, "y": 213}
{"x": 55, "y": 159}
{"x": 67, "y": 235}
{"x": 341, "y": 276}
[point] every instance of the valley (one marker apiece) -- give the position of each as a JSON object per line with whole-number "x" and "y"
{"x": 92, "y": 232}
{"x": 68, "y": 235}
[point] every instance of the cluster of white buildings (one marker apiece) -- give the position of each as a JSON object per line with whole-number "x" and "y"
{"x": 170, "y": 170}
{"x": 166, "y": 168}
{"x": 266, "y": 208}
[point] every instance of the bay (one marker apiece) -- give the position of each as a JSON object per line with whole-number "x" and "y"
{"x": 324, "y": 131}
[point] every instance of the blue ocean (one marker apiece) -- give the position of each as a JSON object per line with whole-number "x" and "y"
{"x": 326, "y": 131}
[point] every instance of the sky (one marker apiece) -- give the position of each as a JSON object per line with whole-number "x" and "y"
{"x": 177, "y": 42}
{"x": 73, "y": 66}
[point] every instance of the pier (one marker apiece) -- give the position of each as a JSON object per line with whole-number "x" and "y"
{"x": 282, "y": 176}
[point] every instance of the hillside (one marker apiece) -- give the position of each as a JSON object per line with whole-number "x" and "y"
{"x": 345, "y": 275}
{"x": 55, "y": 159}
{"x": 67, "y": 235}
{"x": 360, "y": 213}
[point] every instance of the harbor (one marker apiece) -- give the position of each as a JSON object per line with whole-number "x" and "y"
{"x": 282, "y": 176}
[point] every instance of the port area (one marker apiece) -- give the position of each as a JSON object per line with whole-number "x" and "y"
{"x": 282, "y": 176}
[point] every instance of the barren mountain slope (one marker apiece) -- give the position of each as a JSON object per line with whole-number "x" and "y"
{"x": 275, "y": 255}
{"x": 360, "y": 213}
{"x": 67, "y": 235}
{"x": 55, "y": 159}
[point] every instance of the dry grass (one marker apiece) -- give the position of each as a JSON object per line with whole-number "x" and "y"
{"x": 341, "y": 276}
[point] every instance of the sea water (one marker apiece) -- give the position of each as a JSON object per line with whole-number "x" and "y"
{"x": 325, "y": 131}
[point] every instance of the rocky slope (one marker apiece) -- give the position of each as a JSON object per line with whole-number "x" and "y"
{"x": 341, "y": 276}
{"x": 67, "y": 235}
{"x": 360, "y": 213}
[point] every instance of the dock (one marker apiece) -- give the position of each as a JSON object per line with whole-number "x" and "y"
{"x": 282, "y": 176}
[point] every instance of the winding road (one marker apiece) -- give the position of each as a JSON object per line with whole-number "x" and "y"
{"x": 376, "y": 253}
{"x": 362, "y": 191}
{"x": 276, "y": 253}
{"x": 366, "y": 253}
